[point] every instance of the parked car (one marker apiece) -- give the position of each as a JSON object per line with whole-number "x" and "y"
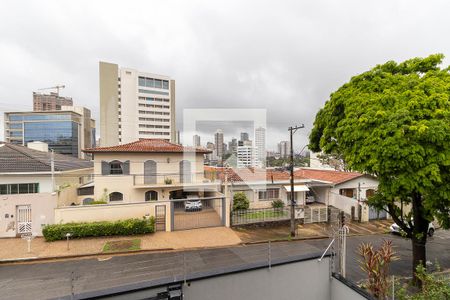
{"x": 193, "y": 205}
{"x": 397, "y": 230}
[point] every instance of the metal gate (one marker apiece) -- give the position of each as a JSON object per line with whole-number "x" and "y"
{"x": 375, "y": 214}
{"x": 160, "y": 218}
{"x": 23, "y": 219}
{"x": 315, "y": 214}
{"x": 210, "y": 214}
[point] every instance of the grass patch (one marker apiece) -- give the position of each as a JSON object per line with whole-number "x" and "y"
{"x": 121, "y": 246}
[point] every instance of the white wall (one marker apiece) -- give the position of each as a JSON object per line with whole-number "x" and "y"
{"x": 298, "y": 280}
{"x": 366, "y": 181}
{"x": 340, "y": 291}
{"x": 343, "y": 203}
{"x": 42, "y": 211}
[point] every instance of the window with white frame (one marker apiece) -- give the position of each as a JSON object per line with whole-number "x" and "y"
{"x": 269, "y": 194}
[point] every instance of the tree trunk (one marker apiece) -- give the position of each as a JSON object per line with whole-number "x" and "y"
{"x": 419, "y": 236}
{"x": 419, "y": 257}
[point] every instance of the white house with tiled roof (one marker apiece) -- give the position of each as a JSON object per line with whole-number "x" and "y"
{"x": 148, "y": 170}
{"x": 149, "y": 177}
{"x": 30, "y": 190}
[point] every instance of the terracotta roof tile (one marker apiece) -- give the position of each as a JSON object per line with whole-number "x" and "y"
{"x": 335, "y": 177}
{"x": 148, "y": 145}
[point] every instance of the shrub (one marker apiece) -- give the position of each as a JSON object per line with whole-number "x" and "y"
{"x": 434, "y": 286}
{"x": 95, "y": 202}
{"x": 277, "y": 203}
{"x": 375, "y": 263}
{"x": 168, "y": 181}
{"x": 79, "y": 230}
{"x": 240, "y": 201}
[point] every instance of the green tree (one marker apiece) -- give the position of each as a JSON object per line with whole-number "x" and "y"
{"x": 240, "y": 201}
{"x": 394, "y": 122}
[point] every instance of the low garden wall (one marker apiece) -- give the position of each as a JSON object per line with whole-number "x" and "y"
{"x": 110, "y": 212}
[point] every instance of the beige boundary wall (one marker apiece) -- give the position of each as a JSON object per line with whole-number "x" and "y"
{"x": 111, "y": 212}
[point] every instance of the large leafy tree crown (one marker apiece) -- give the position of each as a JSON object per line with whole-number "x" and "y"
{"x": 394, "y": 122}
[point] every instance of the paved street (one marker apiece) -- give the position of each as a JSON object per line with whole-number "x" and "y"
{"x": 55, "y": 279}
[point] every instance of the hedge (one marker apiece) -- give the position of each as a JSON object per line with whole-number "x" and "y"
{"x": 79, "y": 230}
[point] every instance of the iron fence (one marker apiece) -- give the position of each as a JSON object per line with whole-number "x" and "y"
{"x": 259, "y": 215}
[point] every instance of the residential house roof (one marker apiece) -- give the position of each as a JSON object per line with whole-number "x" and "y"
{"x": 148, "y": 146}
{"x": 18, "y": 159}
{"x": 335, "y": 177}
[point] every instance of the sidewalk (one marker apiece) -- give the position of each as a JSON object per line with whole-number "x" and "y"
{"x": 16, "y": 248}
{"x": 309, "y": 231}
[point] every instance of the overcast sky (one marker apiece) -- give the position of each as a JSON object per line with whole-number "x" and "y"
{"x": 284, "y": 56}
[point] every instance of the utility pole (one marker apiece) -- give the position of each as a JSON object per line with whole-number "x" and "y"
{"x": 292, "y": 130}
{"x": 52, "y": 169}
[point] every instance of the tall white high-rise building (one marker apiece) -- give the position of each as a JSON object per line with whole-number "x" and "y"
{"x": 284, "y": 148}
{"x": 260, "y": 143}
{"x": 196, "y": 140}
{"x": 135, "y": 105}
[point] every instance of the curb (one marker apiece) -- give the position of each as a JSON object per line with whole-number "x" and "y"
{"x": 73, "y": 256}
{"x": 285, "y": 240}
{"x": 142, "y": 251}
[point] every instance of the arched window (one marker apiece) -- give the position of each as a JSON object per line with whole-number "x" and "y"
{"x": 151, "y": 196}
{"x": 115, "y": 196}
{"x": 149, "y": 172}
{"x": 185, "y": 171}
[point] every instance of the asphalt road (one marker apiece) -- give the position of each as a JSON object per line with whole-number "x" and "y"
{"x": 62, "y": 278}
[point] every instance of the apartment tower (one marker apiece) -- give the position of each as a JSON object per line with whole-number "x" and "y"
{"x": 50, "y": 102}
{"x": 260, "y": 143}
{"x": 135, "y": 105}
{"x": 284, "y": 148}
{"x": 218, "y": 141}
{"x": 196, "y": 140}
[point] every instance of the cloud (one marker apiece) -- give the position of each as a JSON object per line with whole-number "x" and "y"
{"x": 286, "y": 57}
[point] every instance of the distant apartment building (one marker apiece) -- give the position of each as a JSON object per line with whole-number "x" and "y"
{"x": 245, "y": 143}
{"x": 196, "y": 140}
{"x": 247, "y": 156}
{"x": 260, "y": 143}
{"x": 50, "y": 102}
{"x": 232, "y": 146}
{"x": 218, "y": 141}
{"x": 244, "y": 136}
{"x": 135, "y": 105}
{"x": 66, "y": 131}
{"x": 284, "y": 148}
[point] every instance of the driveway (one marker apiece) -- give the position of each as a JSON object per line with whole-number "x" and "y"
{"x": 207, "y": 217}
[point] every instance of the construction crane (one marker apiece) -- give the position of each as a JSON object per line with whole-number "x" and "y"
{"x": 57, "y": 87}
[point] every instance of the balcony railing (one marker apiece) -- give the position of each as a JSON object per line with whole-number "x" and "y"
{"x": 169, "y": 179}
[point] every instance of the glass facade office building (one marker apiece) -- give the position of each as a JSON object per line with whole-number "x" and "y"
{"x": 60, "y": 130}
